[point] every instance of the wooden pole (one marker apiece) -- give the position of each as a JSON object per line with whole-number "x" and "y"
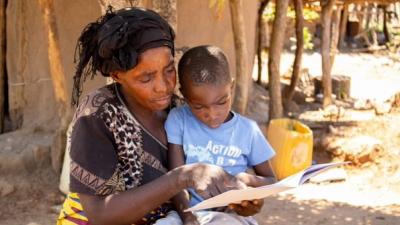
{"x": 369, "y": 16}
{"x": 298, "y": 6}
{"x": 343, "y": 25}
{"x": 361, "y": 17}
{"x": 326, "y": 16}
{"x": 167, "y": 9}
{"x": 260, "y": 35}
{"x": 335, "y": 34}
{"x": 378, "y": 15}
{"x": 385, "y": 25}
{"x": 2, "y": 62}
{"x": 274, "y": 55}
{"x": 118, "y": 4}
{"x": 59, "y": 83}
{"x": 242, "y": 74}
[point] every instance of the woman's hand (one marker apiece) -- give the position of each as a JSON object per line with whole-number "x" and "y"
{"x": 210, "y": 180}
{"x": 247, "y": 208}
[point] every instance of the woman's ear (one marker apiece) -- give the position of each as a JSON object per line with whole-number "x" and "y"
{"x": 115, "y": 75}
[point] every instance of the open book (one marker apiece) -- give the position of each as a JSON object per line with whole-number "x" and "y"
{"x": 236, "y": 196}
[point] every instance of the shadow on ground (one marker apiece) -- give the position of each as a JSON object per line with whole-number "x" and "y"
{"x": 286, "y": 210}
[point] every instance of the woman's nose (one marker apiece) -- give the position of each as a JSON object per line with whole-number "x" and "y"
{"x": 161, "y": 85}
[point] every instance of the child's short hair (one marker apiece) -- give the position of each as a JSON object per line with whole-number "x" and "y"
{"x": 204, "y": 65}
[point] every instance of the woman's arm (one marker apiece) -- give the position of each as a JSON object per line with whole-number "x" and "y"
{"x": 181, "y": 201}
{"x": 130, "y": 206}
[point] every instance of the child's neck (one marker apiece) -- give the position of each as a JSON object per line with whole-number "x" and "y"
{"x": 229, "y": 117}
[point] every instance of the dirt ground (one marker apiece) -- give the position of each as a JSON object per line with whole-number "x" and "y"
{"x": 369, "y": 194}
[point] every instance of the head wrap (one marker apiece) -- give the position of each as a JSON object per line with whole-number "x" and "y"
{"x": 115, "y": 40}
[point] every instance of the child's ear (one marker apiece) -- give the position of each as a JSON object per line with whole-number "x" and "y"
{"x": 232, "y": 84}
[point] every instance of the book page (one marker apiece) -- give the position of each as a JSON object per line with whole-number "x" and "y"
{"x": 236, "y": 196}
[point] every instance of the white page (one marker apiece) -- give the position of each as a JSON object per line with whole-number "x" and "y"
{"x": 236, "y": 196}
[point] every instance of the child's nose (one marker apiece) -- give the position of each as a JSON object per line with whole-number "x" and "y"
{"x": 212, "y": 113}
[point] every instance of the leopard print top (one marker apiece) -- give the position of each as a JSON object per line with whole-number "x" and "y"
{"x": 111, "y": 151}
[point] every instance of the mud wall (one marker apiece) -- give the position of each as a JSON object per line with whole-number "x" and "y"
{"x": 31, "y": 95}
{"x": 198, "y": 24}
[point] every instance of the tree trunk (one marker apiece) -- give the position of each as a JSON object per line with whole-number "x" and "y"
{"x": 343, "y": 25}
{"x": 326, "y": 15}
{"x": 340, "y": 86}
{"x": 298, "y": 6}
{"x": 335, "y": 34}
{"x": 385, "y": 24}
{"x": 58, "y": 79}
{"x": 242, "y": 75}
{"x": 361, "y": 18}
{"x": 2, "y": 62}
{"x": 16, "y": 82}
{"x": 368, "y": 16}
{"x": 260, "y": 36}
{"x": 274, "y": 55}
{"x": 378, "y": 15}
{"x": 167, "y": 9}
{"x": 118, "y": 4}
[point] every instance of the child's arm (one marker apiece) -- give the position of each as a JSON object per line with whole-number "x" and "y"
{"x": 264, "y": 175}
{"x": 260, "y": 153}
{"x": 176, "y": 158}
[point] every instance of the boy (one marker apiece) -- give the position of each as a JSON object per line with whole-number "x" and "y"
{"x": 206, "y": 130}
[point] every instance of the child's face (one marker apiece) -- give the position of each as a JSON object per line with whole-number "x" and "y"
{"x": 210, "y": 103}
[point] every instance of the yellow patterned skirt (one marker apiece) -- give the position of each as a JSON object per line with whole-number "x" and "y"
{"x": 72, "y": 212}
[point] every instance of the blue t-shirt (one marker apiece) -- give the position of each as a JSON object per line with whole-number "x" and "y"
{"x": 236, "y": 145}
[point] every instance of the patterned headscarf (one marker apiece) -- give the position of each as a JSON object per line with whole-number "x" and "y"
{"x": 115, "y": 40}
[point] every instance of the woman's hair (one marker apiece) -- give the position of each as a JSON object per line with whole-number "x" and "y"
{"x": 204, "y": 65}
{"x": 114, "y": 42}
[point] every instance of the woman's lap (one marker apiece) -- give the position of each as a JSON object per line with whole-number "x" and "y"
{"x": 172, "y": 218}
{"x": 209, "y": 218}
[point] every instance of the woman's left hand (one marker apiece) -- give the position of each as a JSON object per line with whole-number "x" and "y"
{"x": 247, "y": 208}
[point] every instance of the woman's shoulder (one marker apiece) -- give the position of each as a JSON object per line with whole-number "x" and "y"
{"x": 95, "y": 101}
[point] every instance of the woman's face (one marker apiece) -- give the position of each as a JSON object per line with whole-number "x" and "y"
{"x": 150, "y": 84}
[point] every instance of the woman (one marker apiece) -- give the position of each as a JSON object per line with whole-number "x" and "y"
{"x": 118, "y": 144}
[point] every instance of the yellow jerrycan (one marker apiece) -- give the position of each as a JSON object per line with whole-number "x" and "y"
{"x": 293, "y": 144}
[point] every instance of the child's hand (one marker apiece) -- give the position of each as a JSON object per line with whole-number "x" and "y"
{"x": 243, "y": 177}
{"x": 253, "y": 180}
{"x": 247, "y": 208}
